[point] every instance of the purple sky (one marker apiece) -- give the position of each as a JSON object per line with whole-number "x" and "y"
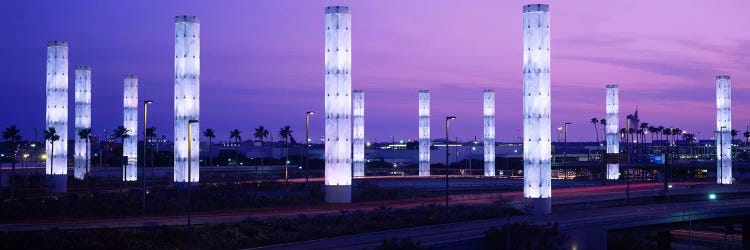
{"x": 262, "y": 61}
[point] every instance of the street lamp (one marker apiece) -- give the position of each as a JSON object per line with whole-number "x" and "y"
{"x": 565, "y": 152}
{"x": 447, "y": 139}
{"x": 307, "y": 144}
{"x": 145, "y": 138}
{"x": 190, "y": 170}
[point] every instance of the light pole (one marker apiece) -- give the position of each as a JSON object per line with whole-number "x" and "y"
{"x": 145, "y": 138}
{"x": 307, "y": 144}
{"x": 447, "y": 144}
{"x": 189, "y": 177}
{"x": 565, "y": 152}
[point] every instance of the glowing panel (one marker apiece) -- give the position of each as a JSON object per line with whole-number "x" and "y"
{"x": 612, "y": 129}
{"x": 57, "y": 106}
{"x": 723, "y": 128}
{"x": 187, "y": 65}
{"x": 82, "y": 120}
{"x": 536, "y": 101}
{"x": 489, "y": 132}
{"x": 358, "y": 132}
{"x": 338, "y": 103}
{"x": 130, "y": 121}
{"x": 424, "y": 133}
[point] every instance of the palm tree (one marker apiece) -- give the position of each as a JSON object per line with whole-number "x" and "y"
{"x": 122, "y": 133}
{"x": 596, "y": 130}
{"x": 210, "y": 134}
{"x": 150, "y": 133}
{"x": 285, "y": 133}
{"x": 51, "y": 135}
{"x": 85, "y": 134}
{"x": 644, "y": 128}
{"x": 236, "y": 135}
{"x": 13, "y": 136}
{"x": 261, "y": 133}
{"x": 660, "y": 131}
{"x": 733, "y": 133}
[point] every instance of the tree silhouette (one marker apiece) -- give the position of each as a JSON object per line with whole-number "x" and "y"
{"x": 209, "y": 133}
{"x": 13, "y": 136}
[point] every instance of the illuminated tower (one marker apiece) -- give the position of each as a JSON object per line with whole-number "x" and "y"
{"x": 187, "y": 65}
{"x": 83, "y": 121}
{"x": 489, "y": 132}
{"x": 57, "y": 113}
{"x": 612, "y": 130}
{"x": 536, "y": 108}
{"x": 358, "y": 132}
{"x": 723, "y": 128}
{"x": 424, "y": 133}
{"x": 130, "y": 122}
{"x": 338, "y": 104}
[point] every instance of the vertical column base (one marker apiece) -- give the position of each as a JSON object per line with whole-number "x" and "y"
{"x": 338, "y": 194}
{"x": 58, "y": 183}
{"x": 538, "y": 205}
{"x": 613, "y": 171}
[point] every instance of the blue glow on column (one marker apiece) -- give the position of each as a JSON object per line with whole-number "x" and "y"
{"x": 424, "y": 133}
{"x": 724, "y": 128}
{"x": 338, "y": 104}
{"x": 612, "y": 129}
{"x": 489, "y": 132}
{"x": 536, "y": 103}
{"x": 82, "y": 120}
{"x": 57, "y": 106}
{"x": 187, "y": 68}
{"x": 130, "y": 121}
{"x": 358, "y": 132}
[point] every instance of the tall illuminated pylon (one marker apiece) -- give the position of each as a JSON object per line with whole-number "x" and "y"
{"x": 83, "y": 120}
{"x": 424, "y": 133}
{"x": 338, "y": 104}
{"x": 536, "y": 109}
{"x": 358, "y": 132}
{"x": 130, "y": 122}
{"x": 489, "y": 132}
{"x": 57, "y": 113}
{"x": 612, "y": 129}
{"x": 187, "y": 68}
{"x": 724, "y": 130}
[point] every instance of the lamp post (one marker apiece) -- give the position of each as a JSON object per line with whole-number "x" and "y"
{"x": 307, "y": 144}
{"x": 189, "y": 177}
{"x": 565, "y": 152}
{"x": 447, "y": 144}
{"x": 145, "y": 138}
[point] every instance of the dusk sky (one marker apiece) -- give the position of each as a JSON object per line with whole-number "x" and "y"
{"x": 262, "y": 62}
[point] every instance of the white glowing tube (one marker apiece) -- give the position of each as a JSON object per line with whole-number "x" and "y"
{"x": 57, "y": 106}
{"x": 82, "y": 121}
{"x": 724, "y": 128}
{"x": 130, "y": 121}
{"x": 489, "y": 132}
{"x": 536, "y": 103}
{"x": 358, "y": 132}
{"x": 424, "y": 133}
{"x": 187, "y": 64}
{"x": 612, "y": 129}
{"x": 338, "y": 104}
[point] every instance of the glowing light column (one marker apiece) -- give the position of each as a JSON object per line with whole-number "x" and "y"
{"x": 187, "y": 65}
{"x": 424, "y": 133}
{"x": 83, "y": 121}
{"x": 536, "y": 112}
{"x": 338, "y": 105}
{"x": 489, "y": 132}
{"x": 358, "y": 132}
{"x": 724, "y": 128}
{"x": 612, "y": 129}
{"x": 57, "y": 113}
{"x": 130, "y": 121}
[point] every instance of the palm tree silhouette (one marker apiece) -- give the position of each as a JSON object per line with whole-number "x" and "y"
{"x": 236, "y": 135}
{"x": 51, "y": 135}
{"x": 596, "y": 130}
{"x": 285, "y": 133}
{"x": 13, "y": 136}
{"x": 122, "y": 133}
{"x": 733, "y": 133}
{"x": 604, "y": 127}
{"x": 210, "y": 134}
{"x": 85, "y": 134}
{"x": 652, "y": 130}
{"x": 261, "y": 133}
{"x": 661, "y": 131}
